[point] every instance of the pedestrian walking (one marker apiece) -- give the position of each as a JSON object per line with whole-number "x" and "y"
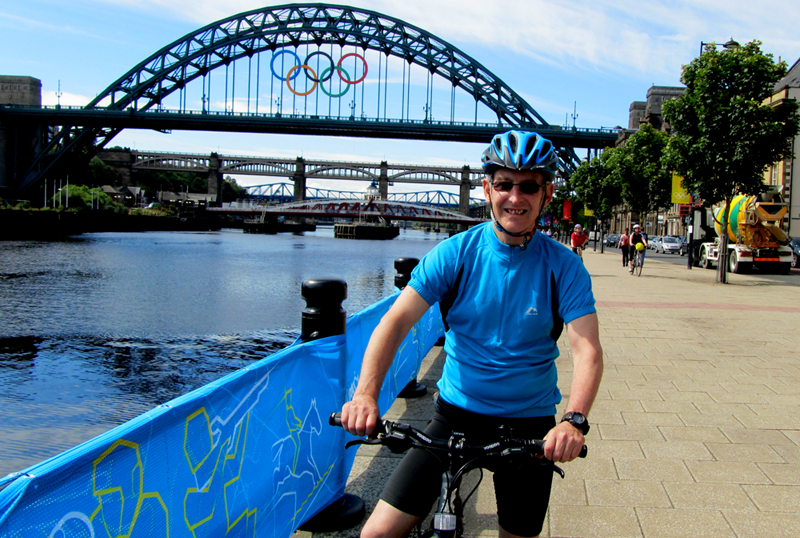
{"x": 623, "y": 244}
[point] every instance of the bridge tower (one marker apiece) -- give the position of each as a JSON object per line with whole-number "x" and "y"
{"x": 383, "y": 181}
{"x": 214, "y": 178}
{"x": 19, "y": 142}
{"x": 300, "y": 180}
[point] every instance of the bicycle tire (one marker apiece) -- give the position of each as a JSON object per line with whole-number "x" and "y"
{"x": 639, "y": 265}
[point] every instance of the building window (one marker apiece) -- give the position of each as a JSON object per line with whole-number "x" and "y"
{"x": 774, "y": 179}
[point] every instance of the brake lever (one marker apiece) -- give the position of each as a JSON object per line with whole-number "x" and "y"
{"x": 355, "y": 442}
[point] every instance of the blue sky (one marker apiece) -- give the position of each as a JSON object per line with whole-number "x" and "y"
{"x": 597, "y": 56}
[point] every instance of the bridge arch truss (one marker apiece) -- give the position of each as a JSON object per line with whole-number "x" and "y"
{"x": 218, "y": 46}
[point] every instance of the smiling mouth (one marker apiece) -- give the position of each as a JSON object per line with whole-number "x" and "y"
{"x": 516, "y": 211}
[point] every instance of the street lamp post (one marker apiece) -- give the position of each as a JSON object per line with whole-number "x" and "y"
{"x": 731, "y": 43}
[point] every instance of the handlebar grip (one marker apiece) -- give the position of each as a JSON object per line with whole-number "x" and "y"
{"x": 335, "y": 419}
{"x": 540, "y": 448}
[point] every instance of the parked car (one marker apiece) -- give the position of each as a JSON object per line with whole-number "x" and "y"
{"x": 652, "y": 243}
{"x": 612, "y": 240}
{"x": 795, "y": 244}
{"x": 669, "y": 244}
{"x": 684, "y": 245}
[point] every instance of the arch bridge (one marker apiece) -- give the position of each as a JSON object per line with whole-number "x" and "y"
{"x": 326, "y": 69}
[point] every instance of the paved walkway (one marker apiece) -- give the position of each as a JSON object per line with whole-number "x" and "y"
{"x": 696, "y": 428}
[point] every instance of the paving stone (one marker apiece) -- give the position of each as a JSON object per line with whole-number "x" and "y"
{"x": 750, "y": 452}
{"x": 628, "y": 432}
{"x": 626, "y": 493}
{"x": 594, "y": 521}
{"x": 693, "y": 433}
{"x": 786, "y": 474}
{"x": 708, "y": 496}
{"x": 652, "y": 470}
{"x": 676, "y": 450}
{"x": 774, "y": 498}
{"x": 729, "y": 472}
{"x": 680, "y": 523}
{"x": 763, "y": 524}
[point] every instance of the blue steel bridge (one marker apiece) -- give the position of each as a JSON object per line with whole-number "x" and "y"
{"x": 312, "y": 69}
{"x": 282, "y": 193}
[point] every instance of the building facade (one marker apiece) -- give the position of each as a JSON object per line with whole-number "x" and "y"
{"x": 780, "y": 175}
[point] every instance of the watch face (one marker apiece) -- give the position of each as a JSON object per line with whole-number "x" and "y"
{"x": 578, "y": 418}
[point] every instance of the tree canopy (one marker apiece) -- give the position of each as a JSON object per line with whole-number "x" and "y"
{"x": 595, "y": 182}
{"x": 724, "y": 136}
{"x": 643, "y": 176}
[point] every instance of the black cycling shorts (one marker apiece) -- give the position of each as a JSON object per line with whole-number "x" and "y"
{"x": 522, "y": 487}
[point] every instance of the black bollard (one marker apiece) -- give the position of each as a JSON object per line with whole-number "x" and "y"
{"x": 322, "y": 317}
{"x": 404, "y": 266}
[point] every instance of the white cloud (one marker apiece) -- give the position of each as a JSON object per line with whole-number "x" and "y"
{"x": 51, "y": 98}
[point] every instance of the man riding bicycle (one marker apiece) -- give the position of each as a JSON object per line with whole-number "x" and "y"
{"x": 578, "y": 240}
{"x": 638, "y": 236}
{"x": 505, "y": 292}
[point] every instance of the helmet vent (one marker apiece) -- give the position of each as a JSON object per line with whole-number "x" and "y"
{"x": 531, "y": 144}
{"x": 512, "y": 143}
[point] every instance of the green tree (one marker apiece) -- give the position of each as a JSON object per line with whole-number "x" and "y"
{"x": 82, "y": 197}
{"x": 232, "y": 191}
{"x": 596, "y": 183}
{"x": 642, "y": 174}
{"x": 724, "y": 136}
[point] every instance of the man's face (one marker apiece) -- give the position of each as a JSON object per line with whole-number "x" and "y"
{"x": 516, "y": 211}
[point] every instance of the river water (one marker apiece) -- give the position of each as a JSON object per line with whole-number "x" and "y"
{"x": 100, "y": 328}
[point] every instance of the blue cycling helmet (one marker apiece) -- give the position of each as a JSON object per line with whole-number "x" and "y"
{"x": 521, "y": 150}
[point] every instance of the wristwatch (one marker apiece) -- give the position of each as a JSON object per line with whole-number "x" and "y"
{"x": 578, "y": 420}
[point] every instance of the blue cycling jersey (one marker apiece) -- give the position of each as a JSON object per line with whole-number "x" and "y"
{"x": 504, "y": 309}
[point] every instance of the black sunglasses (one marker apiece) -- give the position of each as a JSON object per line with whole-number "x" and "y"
{"x": 526, "y": 187}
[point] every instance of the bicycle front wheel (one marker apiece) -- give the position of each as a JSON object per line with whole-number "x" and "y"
{"x": 638, "y": 265}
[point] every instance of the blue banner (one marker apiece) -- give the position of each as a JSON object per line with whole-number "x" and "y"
{"x": 248, "y": 455}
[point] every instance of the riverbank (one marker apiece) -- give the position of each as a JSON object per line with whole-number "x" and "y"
{"x": 27, "y": 225}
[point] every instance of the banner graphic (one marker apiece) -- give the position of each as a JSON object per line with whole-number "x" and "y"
{"x": 249, "y": 455}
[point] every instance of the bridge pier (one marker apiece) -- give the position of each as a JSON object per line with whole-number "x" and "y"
{"x": 300, "y": 180}
{"x": 19, "y": 140}
{"x": 214, "y": 179}
{"x": 463, "y": 195}
{"x": 383, "y": 181}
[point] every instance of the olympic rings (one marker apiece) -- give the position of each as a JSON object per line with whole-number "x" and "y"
{"x": 326, "y": 74}
{"x": 348, "y": 76}
{"x": 332, "y": 69}
{"x": 289, "y": 77}
{"x": 275, "y": 57}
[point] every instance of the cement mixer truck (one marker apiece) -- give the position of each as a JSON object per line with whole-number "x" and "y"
{"x": 756, "y": 235}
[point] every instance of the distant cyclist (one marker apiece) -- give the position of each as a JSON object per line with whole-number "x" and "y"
{"x": 637, "y": 236}
{"x": 578, "y": 240}
{"x": 505, "y": 291}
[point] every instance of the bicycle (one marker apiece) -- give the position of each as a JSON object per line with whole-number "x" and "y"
{"x": 637, "y": 262}
{"x": 459, "y": 457}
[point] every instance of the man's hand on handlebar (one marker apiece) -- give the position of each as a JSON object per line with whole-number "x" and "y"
{"x": 563, "y": 443}
{"x": 360, "y": 415}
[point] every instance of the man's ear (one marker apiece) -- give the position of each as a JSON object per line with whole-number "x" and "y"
{"x": 549, "y": 190}
{"x": 487, "y": 185}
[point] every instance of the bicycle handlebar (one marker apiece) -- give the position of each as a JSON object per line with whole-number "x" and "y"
{"x": 399, "y": 437}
